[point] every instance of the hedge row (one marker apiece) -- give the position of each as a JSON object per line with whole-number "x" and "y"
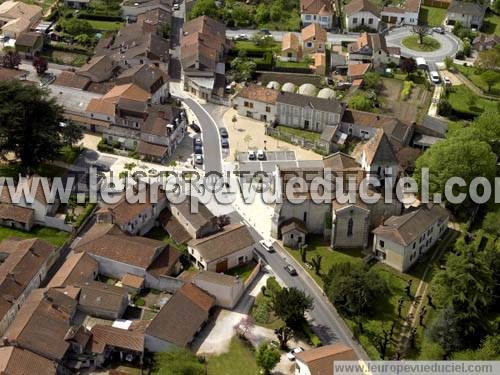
{"x": 99, "y": 17}
{"x": 69, "y": 48}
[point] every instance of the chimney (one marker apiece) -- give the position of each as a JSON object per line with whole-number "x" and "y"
{"x": 5, "y": 341}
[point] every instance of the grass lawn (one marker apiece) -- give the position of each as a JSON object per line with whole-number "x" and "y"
{"x": 239, "y": 360}
{"x": 53, "y": 236}
{"x": 462, "y": 99}
{"x": 292, "y": 64}
{"x": 242, "y": 271}
{"x": 432, "y": 16}
{"x": 474, "y": 75}
{"x": 306, "y": 134}
{"x": 262, "y": 314}
{"x": 249, "y": 46}
{"x": 413, "y": 42}
{"x": 105, "y": 25}
{"x": 159, "y": 234}
{"x": 491, "y": 23}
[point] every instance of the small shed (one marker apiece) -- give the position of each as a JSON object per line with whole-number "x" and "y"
{"x": 293, "y": 233}
{"x": 132, "y": 282}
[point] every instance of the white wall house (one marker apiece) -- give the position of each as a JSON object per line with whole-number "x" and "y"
{"x": 317, "y": 11}
{"x": 257, "y": 102}
{"x": 361, "y": 13}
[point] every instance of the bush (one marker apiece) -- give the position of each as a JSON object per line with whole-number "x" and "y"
{"x": 407, "y": 86}
{"x": 272, "y": 285}
{"x": 104, "y": 147}
{"x": 88, "y": 210}
{"x": 312, "y": 338}
{"x": 460, "y": 55}
{"x": 139, "y": 302}
{"x": 98, "y": 17}
{"x": 63, "y": 47}
{"x": 261, "y": 313}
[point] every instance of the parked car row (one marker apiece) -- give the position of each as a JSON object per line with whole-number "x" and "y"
{"x": 224, "y": 138}
{"x": 259, "y": 155}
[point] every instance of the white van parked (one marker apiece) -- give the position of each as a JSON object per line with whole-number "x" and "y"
{"x": 421, "y": 63}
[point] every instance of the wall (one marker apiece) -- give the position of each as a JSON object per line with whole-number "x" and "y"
{"x": 164, "y": 283}
{"x": 258, "y": 110}
{"x": 227, "y": 296}
{"x": 155, "y": 345}
{"x": 360, "y": 229}
{"x": 360, "y": 17}
{"x": 232, "y": 259}
{"x": 315, "y": 214}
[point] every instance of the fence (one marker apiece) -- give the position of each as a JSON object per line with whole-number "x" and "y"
{"x": 253, "y": 274}
{"x": 320, "y": 147}
{"x": 437, "y": 3}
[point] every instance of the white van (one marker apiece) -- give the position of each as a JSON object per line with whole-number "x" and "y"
{"x": 421, "y": 63}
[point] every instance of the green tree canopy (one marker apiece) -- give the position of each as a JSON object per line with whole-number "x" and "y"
{"x": 361, "y": 102}
{"x": 76, "y": 26}
{"x": 490, "y": 78}
{"x": 242, "y": 69}
{"x": 354, "y": 288}
{"x": 204, "y": 8}
{"x": 30, "y": 125}
{"x": 178, "y": 362}
{"x": 290, "y": 304}
{"x": 267, "y": 357}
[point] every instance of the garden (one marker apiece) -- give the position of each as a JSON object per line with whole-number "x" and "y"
{"x": 52, "y": 236}
{"x": 428, "y": 44}
{"x": 462, "y": 103}
{"x": 432, "y": 16}
{"x": 487, "y": 80}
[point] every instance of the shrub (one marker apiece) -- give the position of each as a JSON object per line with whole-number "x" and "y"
{"x": 272, "y": 285}
{"x": 98, "y": 17}
{"x": 261, "y": 314}
{"x": 309, "y": 333}
{"x": 104, "y": 147}
{"x": 407, "y": 86}
{"x": 138, "y": 301}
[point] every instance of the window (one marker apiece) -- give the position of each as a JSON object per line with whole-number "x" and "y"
{"x": 350, "y": 224}
{"x": 308, "y": 17}
{"x": 309, "y": 45}
{"x": 305, "y": 217}
{"x": 241, "y": 260}
{"x": 381, "y": 243}
{"x": 246, "y": 104}
{"x": 268, "y": 109}
{"x": 291, "y": 236}
{"x": 370, "y": 21}
{"x": 354, "y": 20}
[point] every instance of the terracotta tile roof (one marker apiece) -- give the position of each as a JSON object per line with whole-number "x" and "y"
{"x": 232, "y": 238}
{"x": 108, "y": 241}
{"x": 340, "y": 162}
{"x": 97, "y": 295}
{"x": 356, "y": 70}
{"x": 86, "y": 120}
{"x": 132, "y": 281}
{"x": 76, "y": 269}
{"x": 394, "y": 9}
{"x": 28, "y": 188}
{"x": 124, "y": 212}
{"x": 290, "y": 41}
{"x": 17, "y": 361}
{"x": 22, "y": 260}
{"x": 101, "y": 106}
{"x": 356, "y": 6}
{"x": 16, "y": 213}
{"x": 107, "y": 336}
{"x": 407, "y": 228}
{"x": 98, "y": 69}
{"x": 320, "y": 360}
{"x": 165, "y": 262}
{"x": 71, "y": 79}
{"x": 316, "y": 6}
{"x": 198, "y": 219}
{"x": 146, "y": 148}
{"x": 314, "y": 30}
{"x": 42, "y": 324}
{"x": 413, "y": 5}
{"x": 182, "y": 316}
{"x": 173, "y": 227}
{"x": 259, "y": 94}
{"x": 8, "y": 74}
{"x": 378, "y": 150}
{"x": 127, "y": 91}
{"x": 149, "y": 77}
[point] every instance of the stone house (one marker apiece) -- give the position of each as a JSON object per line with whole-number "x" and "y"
{"x": 17, "y": 17}
{"x": 257, "y": 102}
{"x": 101, "y": 300}
{"x": 291, "y": 50}
{"x": 293, "y": 233}
{"x": 150, "y": 78}
{"x": 317, "y": 11}
{"x": 378, "y": 157}
{"x": 484, "y": 42}
{"x": 468, "y": 14}
{"x": 77, "y": 4}
{"x": 319, "y": 361}
{"x": 401, "y": 240}
{"x": 405, "y": 14}
{"x": 28, "y": 44}
{"x": 226, "y": 249}
{"x": 226, "y": 289}
{"x": 372, "y": 48}
{"x": 361, "y": 14}
{"x": 306, "y": 112}
{"x": 314, "y": 39}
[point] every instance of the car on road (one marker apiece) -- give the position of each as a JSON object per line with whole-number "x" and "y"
{"x": 434, "y": 77}
{"x": 224, "y": 143}
{"x": 102, "y": 167}
{"x": 241, "y": 37}
{"x": 196, "y": 128}
{"x": 47, "y": 79}
{"x": 198, "y": 159}
{"x": 292, "y": 353}
{"x": 447, "y": 81}
{"x": 265, "y": 32}
{"x": 261, "y": 155}
{"x": 176, "y": 7}
{"x": 223, "y": 133}
{"x": 197, "y": 141}
{"x": 251, "y": 155}
{"x": 438, "y": 29}
{"x": 198, "y": 150}
{"x": 290, "y": 269}
{"x": 267, "y": 245}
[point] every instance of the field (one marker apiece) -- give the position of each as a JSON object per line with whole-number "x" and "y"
{"x": 462, "y": 99}
{"x": 474, "y": 75}
{"x": 432, "y": 16}
{"x": 413, "y": 42}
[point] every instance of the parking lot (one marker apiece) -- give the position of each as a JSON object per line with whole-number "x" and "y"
{"x": 268, "y": 156}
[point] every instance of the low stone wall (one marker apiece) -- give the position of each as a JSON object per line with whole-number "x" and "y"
{"x": 253, "y": 274}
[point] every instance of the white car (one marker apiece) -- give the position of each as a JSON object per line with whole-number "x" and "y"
{"x": 291, "y": 354}
{"x": 198, "y": 159}
{"x": 261, "y": 155}
{"x": 267, "y": 244}
{"x": 447, "y": 81}
{"x": 251, "y": 155}
{"x": 434, "y": 77}
{"x": 176, "y": 7}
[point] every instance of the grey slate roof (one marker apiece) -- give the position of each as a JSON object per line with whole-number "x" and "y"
{"x": 463, "y": 7}
{"x": 325, "y": 105}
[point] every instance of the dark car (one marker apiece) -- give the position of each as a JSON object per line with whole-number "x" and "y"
{"x": 224, "y": 143}
{"x": 265, "y": 32}
{"x": 195, "y": 127}
{"x": 198, "y": 150}
{"x": 101, "y": 168}
{"x": 197, "y": 141}
{"x": 223, "y": 133}
{"x": 292, "y": 271}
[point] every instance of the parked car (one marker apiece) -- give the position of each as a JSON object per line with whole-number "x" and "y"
{"x": 438, "y": 29}
{"x": 223, "y": 133}
{"x": 197, "y": 141}
{"x": 241, "y": 37}
{"x": 261, "y": 155}
{"x": 198, "y": 150}
{"x": 447, "y": 81}
{"x": 267, "y": 245}
{"x": 291, "y": 270}
{"x": 291, "y": 354}
{"x": 224, "y": 143}
{"x": 251, "y": 155}
{"x": 47, "y": 78}
{"x": 196, "y": 128}
{"x": 198, "y": 159}
{"x": 176, "y": 7}
{"x": 265, "y": 32}
{"x": 434, "y": 77}
{"x": 102, "y": 167}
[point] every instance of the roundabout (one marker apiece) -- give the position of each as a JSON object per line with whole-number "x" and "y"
{"x": 447, "y": 44}
{"x": 428, "y": 44}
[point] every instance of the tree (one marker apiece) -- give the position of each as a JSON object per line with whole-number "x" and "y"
{"x": 488, "y": 351}
{"x": 490, "y": 78}
{"x": 30, "y": 125}
{"x": 177, "y": 362}
{"x": 489, "y": 59}
{"x": 316, "y": 262}
{"x": 290, "y": 304}
{"x": 491, "y": 224}
{"x": 77, "y": 26}
{"x": 361, "y": 102}
{"x": 444, "y": 107}
{"x": 267, "y": 357}
{"x": 448, "y": 62}
{"x": 421, "y": 31}
{"x": 467, "y": 48}
{"x": 372, "y": 80}
{"x": 11, "y": 59}
{"x": 444, "y": 331}
{"x": 408, "y": 66}
{"x": 354, "y": 288}
{"x": 204, "y": 8}
{"x": 242, "y": 69}
{"x": 40, "y": 64}
{"x": 284, "y": 334}
{"x": 83, "y": 39}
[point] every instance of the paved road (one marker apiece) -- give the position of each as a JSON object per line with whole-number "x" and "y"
{"x": 449, "y": 45}
{"x": 278, "y": 35}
